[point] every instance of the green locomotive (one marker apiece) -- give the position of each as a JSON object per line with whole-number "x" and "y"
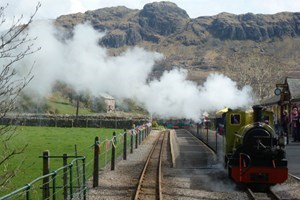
{"x": 254, "y": 153}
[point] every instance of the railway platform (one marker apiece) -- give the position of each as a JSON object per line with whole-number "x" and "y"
{"x": 195, "y": 171}
{"x": 292, "y": 149}
{"x": 293, "y": 157}
{"x": 190, "y": 152}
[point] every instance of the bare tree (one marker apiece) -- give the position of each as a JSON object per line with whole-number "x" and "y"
{"x": 15, "y": 44}
{"x": 258, "y": 70}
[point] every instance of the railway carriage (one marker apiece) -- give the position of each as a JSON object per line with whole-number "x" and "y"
{"x": 177, "y": 123}
{"x": 254, "y": 153}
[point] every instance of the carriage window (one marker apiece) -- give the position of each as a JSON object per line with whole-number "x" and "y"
{"x": 235, "y": 119}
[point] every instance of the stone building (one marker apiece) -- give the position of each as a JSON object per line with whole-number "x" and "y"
{"x": 110, "y": 103}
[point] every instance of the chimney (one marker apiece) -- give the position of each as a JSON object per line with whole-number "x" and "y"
{"x": 257, "y": 113}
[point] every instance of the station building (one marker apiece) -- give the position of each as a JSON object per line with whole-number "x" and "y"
{"x": 286, "y": 96}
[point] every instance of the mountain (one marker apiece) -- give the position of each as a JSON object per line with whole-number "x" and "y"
{"x": 159, "y": 20}
{"x": 201, "y": 45}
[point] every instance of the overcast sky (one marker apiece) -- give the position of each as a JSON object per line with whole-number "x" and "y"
{"x": 195, "y": 8}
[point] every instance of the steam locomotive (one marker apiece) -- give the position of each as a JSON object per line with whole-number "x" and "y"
{"x": 254, "y": 153}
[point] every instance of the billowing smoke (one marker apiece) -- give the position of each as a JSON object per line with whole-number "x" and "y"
{"x": 81, "y": 62}
{"x": 86, "y": 66}
{"x": 173, "y": 95}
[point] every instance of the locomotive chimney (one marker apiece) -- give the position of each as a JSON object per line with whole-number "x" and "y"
{"x": 257, "y": 113}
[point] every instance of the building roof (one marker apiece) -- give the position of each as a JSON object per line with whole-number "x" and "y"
{"x": 290, "y": 92}
{"x": 272, "y": 100}
{"x": 294, "y": 87}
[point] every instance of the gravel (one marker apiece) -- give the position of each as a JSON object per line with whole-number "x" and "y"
{"x": 183, "y": 184}
{"x": 288, "y": 190}
{"x": 121, "y": 183}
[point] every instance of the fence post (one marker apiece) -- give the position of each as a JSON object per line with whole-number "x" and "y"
{"x": 65, "y": 176}
{"x": 207, "y": 135}
{"x": 125, "y": 145}
{"x": 147, "y": 130}
{"x": 83, "y": 179}
{"x": 77, "y": 171}
{"x": 140, "y": 136}
{"x": 46, "y": 170}
{"x": 113, "y": 152}
{"x": 96, "y": 163}
{"x": 136, "y": 139}
{"x": 28, "y": 192}
{"x": 131, "y": 142}
{"x": 54, "y": 185}
{"x": 216, "y": 142}
{"x": 71, "y": 181}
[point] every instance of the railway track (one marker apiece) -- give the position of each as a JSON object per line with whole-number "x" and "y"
{"x": 266, "y": 195}
{"x": 270, "y": 194}
{"x": 294, "y": 177}
{"x": 149, "y": 185}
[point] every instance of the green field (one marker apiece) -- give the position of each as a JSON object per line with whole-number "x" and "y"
{"x": 63, "y": 106}
{"x": 58, "y": 141}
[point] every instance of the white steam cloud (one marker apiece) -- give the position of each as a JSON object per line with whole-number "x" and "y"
{"x": 81, "y": 62}
{"x": 173, "y": 95}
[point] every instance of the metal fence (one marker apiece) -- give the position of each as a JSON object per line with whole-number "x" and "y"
{"x": 50, "y": 186}
{"x": 208, "y": 133}
{"x": 70, "y": 181}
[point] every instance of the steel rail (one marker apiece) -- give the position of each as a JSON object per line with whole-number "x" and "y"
{"x": 295, "y": 177}
{"x": 268, "y": 194}
{"x": 160, "y": 167}
{"x": 158, "y": 178}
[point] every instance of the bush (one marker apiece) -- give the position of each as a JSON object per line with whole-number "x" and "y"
{"x": 154, "y": 123}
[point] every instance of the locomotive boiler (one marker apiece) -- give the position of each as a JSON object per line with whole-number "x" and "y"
{"x": 254, "y": 153}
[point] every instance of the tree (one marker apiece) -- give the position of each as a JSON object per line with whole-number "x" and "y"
{"x": 15, "y": 44}
{"x": 260, "y": 71}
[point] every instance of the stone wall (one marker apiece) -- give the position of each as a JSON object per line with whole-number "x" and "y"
{"x": 71, "y": 121}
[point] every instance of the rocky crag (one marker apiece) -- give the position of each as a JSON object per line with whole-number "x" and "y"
{"x": 164, "y": 19}
{"x": 198, "y": 44}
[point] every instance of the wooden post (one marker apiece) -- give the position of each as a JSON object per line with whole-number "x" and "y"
{"x": 207, "y": 134}
{"x": 147, "y": 131}
{"x": 77, "y": 171}
{"x": 131, "y": 142}
{"x": 216, "y": 142}
{"x": 65, "y": 176}
{"x": 125, "y": 145}
{"x": 96, "y": 163}
{"x": 46, "y": 170}
{"x": 136, "y": 140}
{"x": 140, "y": 136}
{"x": 113, "y": 152}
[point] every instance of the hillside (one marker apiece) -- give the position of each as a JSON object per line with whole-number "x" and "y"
{"x": 202, "y": 45}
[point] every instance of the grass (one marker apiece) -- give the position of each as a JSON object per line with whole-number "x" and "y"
{"x": 62, "y": 106}
{"x": 58, "y": 141}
